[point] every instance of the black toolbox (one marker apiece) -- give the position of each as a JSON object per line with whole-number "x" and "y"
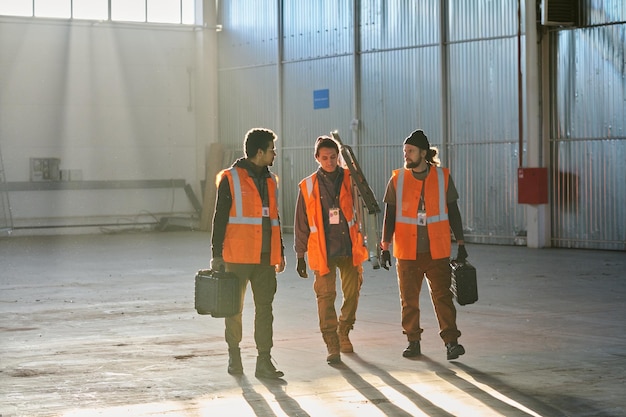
{"x": 217, "y": 293}
{"x": 464, "y": 286}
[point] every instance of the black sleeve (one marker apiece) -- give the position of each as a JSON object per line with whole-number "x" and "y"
{"x": 389, "y": 222}
{"x": 220, "y": 218}
{"x": 282, "y": 242}
{"x": 301, "y": 227}
{"x": 456, "y": 223}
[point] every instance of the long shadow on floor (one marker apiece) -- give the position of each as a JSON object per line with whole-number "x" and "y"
{"x": 491, "y": 391}
{"x": 259, "y": 404}
{"x": 377, "y": 398}
{"x": 487, "y": 389}
{"x": 579, "y": 406}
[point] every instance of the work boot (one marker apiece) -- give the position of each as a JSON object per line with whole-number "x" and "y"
{"x": 412, "y": 350}
{"x": 332, "y": 344}
{"x": 345, "y": 346}
{"x": 454, "y": 350}
{"x": 265, "y": 368}
{"x": 235, "y": 366}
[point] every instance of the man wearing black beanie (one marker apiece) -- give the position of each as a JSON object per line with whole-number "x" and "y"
{"x": 421, "y": 208}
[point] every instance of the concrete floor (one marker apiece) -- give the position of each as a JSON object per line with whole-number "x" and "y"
{"x": 104, "y": 325}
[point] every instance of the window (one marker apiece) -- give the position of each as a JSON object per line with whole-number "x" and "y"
{"x": 128, "y": 10}
{"x": 163, "y": 11}
{"x": 16, "y": 7}
{"x": 90, "y": 9}
{"x": 153, "y": 11}
{"x": 53, "y": 8}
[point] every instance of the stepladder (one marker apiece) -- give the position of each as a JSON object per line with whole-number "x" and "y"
{"x": 366, "y": 205}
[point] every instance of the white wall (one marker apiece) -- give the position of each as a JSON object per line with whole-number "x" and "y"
{"x": 115, "y": 102}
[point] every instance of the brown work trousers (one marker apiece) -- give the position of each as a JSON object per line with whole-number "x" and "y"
{"x": 438, "y": 275}
{"x": 325, "y": 287}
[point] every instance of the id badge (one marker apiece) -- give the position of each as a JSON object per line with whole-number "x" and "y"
{"x": 421, "y": 218}
{"x": 266, "y": 211}
{"x": 333, "y": 216}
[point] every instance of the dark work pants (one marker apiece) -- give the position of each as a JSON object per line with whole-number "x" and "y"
{"x": 438, "y": 274}
{"x": 262, "y": 280}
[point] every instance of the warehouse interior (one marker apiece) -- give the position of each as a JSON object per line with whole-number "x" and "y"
{"x": 115, "y": 119}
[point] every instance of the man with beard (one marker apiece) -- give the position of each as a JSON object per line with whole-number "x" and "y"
{"x": 421, "y": 208}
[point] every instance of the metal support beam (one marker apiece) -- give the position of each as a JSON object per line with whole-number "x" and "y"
{"x": 538, "y": 215}
{"x": 355, "y": 123}
{"x": 445, "y": 82}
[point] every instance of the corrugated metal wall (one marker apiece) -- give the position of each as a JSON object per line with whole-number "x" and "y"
{"x": 483, "y": 122}
{"x": 588, "y": 135}
{"x": 400, "y": 83}
{"x": 318, "y": 46}
{"x": 248, "y": 80}
{"x": 449, "y": 68}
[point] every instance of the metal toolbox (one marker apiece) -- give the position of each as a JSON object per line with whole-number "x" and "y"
{"x": 464, "y": 286}
{"x": 217, "y": 293}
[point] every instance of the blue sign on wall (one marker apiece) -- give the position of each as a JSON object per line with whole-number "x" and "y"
{"x": 321, "y": 99}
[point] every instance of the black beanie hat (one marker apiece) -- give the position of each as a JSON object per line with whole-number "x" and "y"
{"x": 419, "y": 139}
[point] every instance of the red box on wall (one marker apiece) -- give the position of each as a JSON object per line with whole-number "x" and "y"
{"x": 532, "y": 185}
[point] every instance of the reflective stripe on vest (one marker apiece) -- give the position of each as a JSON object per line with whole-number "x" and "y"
{"x": 239, "y": 218}
{"x": 437, "y": 225}
{"x": 244, "y": 231}
{"x": 309, "y": 190}
{"x": 316, "y": 245}
{"x": 443, "y": 215}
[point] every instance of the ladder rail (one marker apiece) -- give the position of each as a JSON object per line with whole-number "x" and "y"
{"x": 366, "y": 207}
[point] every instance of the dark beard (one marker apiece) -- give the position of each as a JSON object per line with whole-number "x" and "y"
{"x": 411, "y": 165}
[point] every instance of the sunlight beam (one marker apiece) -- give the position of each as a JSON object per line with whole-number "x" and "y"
{"x": 495, "y": 394}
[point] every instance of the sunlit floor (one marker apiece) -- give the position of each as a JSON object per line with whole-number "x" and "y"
{"x": 104, "y": 325}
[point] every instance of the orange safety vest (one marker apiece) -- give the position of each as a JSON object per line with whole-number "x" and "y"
{"x": 316, "y": 246}
{"x": 243, "y": 239}
{"x": 408, "y": 191}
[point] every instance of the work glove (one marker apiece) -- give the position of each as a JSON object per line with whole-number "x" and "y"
{"x": 217, "y": 264}
{"x": 301, "y": 268}
{"x": 461, "y": 254}
{"x": 385, "y": 257}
